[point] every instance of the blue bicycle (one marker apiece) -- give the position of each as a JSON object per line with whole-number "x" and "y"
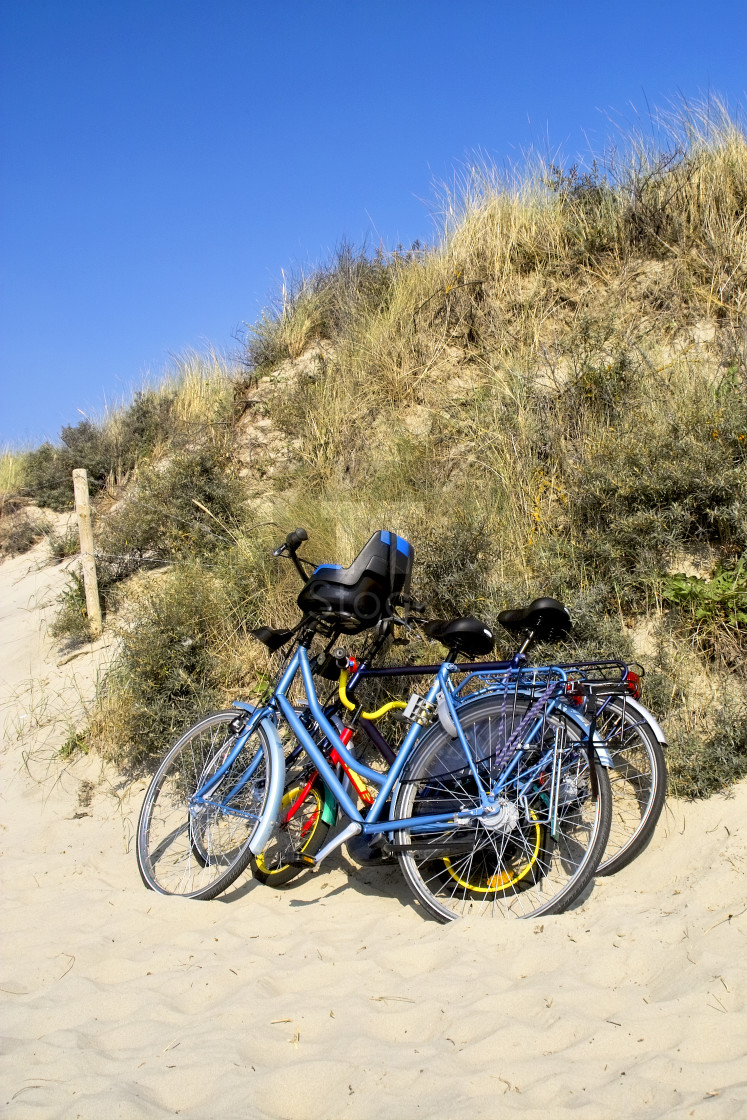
{"x": 495, "y": 805}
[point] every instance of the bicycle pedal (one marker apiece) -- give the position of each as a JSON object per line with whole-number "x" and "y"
{"x": 303, "y": 861}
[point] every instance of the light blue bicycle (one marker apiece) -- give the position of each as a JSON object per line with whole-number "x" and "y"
{"x": 496, "y": 806}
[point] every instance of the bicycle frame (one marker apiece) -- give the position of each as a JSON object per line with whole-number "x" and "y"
{"x": 371, "y": 823}
{"x": 374, "y": 822}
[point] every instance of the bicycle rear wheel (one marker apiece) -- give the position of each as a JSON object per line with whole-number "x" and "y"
{"x": 301, "y": 833}
{"x": 639, "y": 782}
{"x": 509, "y": 865}
{"x": 193, "y": 845}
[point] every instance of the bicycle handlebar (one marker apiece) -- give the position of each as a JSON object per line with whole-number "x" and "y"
{"x": 295, "y": 539}
{"x": 290, "y": 546}
{"x": 292, "y": 543}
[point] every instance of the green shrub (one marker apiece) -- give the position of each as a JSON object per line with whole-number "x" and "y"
{"x": 47, "y": 472}
{"x": 658, "y": 482}
{"x": 106, "y": 450}
{"x": 65, "y": 544}
{"x": 453, "y": 563}
{"x": 186, "y": 655}
{"x": 714, "y": 610}
{"x": 192, "y": 503}
{"x": 71, "y": 620}
{"x": 711, "y": 755}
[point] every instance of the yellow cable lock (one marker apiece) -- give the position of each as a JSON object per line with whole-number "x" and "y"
{"x": 345, "y": 699}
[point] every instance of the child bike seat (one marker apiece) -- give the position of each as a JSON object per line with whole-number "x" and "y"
{"x": 547, "y": 618}
{"x": 356, "y": 598}
{"x": 463, "y": 635}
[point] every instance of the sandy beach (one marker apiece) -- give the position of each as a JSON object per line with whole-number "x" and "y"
{"x": 337, "y": 997}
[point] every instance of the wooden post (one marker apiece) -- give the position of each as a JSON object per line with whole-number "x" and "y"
{"x": 87, "y": 560}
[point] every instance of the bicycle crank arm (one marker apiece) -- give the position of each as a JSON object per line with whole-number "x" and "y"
{"x": 350, "y": 830}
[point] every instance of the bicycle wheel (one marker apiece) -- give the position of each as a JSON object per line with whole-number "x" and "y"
{"x": 639, "y": 782}
{"x": 507, "y": 865}
{"x": 196, "y": 846}
{"x": 302, "y": 831}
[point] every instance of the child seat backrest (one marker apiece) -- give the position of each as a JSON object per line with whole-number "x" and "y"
{"x": 356, "y": 598}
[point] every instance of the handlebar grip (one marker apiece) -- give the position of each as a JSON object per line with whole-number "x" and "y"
{"x": 295, "y": 539}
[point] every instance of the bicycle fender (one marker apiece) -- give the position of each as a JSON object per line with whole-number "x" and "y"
{"x": 269, "y": 817}
{"x": 603, "y": 755}
{"x": 645, "y": 715}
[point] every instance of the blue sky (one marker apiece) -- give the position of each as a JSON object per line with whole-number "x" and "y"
{"x": 163, "y": 160}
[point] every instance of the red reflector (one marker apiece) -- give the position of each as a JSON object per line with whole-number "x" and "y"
{"x": 633, "y": 683}
{"x": 575, "y": 694}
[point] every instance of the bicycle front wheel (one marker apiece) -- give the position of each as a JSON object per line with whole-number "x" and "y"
{"x": 639, "y": 782}
{"x": 520, "y": 861}
{"x": 196, "y": 844}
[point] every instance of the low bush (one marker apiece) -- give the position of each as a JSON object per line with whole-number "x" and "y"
{"x": 65, "y": 543}
{"x": 46, "y": 473}
{"x": 706, "y": 756}
{"x": 71, "y": 620}
{"x": 191, "y": 503}
{"x": 672, "y": 473}
{"x": 192, "y": 407}
{"x": 714, "y": 611}
{"x": 184, "y": 648}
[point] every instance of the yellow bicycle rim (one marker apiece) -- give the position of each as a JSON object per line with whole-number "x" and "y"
{"x": 505, "y": 879}
{"x": 289, "y": 797}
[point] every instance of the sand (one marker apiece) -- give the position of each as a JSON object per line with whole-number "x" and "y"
{"x": 336, "y": 997}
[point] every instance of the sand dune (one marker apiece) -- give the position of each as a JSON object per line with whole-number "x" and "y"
{"x": 336, "y": 997}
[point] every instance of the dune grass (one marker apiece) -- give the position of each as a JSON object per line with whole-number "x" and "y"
{"x": 9, "y": 468}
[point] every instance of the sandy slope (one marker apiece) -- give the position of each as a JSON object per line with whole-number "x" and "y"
{"x": 337, "y": 998}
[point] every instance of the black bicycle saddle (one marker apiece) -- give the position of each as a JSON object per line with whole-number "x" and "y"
{"x": 273, "y": 639}
{"x": 547, "y": 618}
{"x": 463, "y": 635}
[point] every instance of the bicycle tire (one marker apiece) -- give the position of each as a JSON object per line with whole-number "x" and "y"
{"x": 638, "y": 778}
{"x": 521, "y": 870}
{"x": 304, "y": 834}
{"x": 197, "y": 850}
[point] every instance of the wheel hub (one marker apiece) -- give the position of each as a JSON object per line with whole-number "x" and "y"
{"x": 502, "y": 816}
